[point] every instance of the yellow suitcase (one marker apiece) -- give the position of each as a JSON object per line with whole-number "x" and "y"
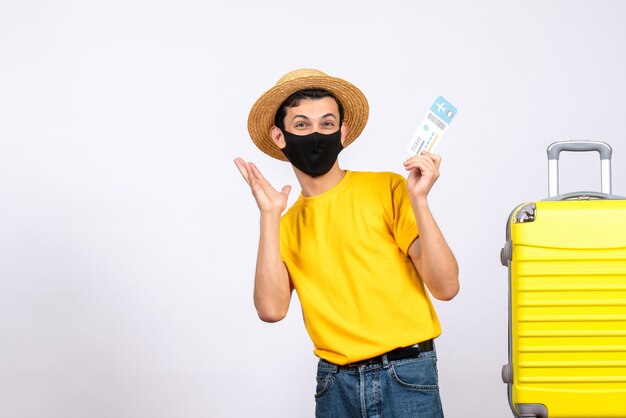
{"x": 566, "y": 258}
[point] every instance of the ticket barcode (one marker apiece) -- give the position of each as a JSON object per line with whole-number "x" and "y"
{"x": 438, "y": 122}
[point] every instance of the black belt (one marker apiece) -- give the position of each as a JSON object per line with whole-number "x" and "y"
{"x": 397, "y": 354}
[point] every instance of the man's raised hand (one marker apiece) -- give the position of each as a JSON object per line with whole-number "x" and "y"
{"x": 268, "y": 199}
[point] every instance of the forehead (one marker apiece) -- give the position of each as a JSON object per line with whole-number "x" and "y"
{"x": 315, "y": 108}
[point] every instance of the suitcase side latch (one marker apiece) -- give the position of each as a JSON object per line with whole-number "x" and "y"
{"x": 526, "y": 213}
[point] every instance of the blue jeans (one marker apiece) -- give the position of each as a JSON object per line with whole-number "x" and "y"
{"x": 391, "y": 389}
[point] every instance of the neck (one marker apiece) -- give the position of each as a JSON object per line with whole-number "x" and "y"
{"x": 313, "y": 186}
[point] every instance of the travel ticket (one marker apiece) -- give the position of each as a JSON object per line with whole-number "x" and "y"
{"x": 432, "y": 127}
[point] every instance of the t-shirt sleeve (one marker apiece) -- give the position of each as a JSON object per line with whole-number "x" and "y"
{"x": 404, "y": 224}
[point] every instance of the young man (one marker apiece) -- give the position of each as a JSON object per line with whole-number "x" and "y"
{"x": 358, "y": 247}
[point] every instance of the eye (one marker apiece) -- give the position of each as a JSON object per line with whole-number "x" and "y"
{"x": 329, "y": 124}
{"x": 300, "y": 125}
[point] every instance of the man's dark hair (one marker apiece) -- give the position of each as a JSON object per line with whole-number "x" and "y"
{"x": 295, "y": 99}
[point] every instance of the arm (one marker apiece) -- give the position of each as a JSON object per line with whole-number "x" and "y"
{"x": 272, "y": 285}
{"x": 430, "y": 253}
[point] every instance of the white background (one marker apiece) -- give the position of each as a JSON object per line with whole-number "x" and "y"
{"x": 128, "y": 238}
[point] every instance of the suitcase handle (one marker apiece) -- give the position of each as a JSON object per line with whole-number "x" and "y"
{"x": 555, "y": 149}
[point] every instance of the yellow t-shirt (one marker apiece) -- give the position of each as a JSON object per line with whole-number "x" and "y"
{"x": 346, "y": 253}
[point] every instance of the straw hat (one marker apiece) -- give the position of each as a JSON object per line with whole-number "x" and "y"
{"x": 261, "y": 117}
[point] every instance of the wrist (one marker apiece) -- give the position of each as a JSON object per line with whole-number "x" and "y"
{"x": 271, "y": 215}
{"x": 418, "y": 200}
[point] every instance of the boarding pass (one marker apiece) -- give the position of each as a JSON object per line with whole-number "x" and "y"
{"x": 432, "y": 127}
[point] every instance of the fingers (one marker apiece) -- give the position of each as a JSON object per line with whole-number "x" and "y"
{"x": 423, "y": 161}
{"x": 253, "y": 176}
{"x": 242, "y": 166}
{"x": 436, "y": 159}
{"x": 268, "y": 199}
{"x": 256, "y": 172}
{"x": 249, "y": 172}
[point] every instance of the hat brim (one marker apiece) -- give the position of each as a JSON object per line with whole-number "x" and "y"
{"x": 261, "y": 117}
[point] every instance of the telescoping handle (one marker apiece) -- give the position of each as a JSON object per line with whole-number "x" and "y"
{"x": 554, "y": 150}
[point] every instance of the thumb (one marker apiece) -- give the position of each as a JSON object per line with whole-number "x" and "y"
{"x": 285, "y": 190}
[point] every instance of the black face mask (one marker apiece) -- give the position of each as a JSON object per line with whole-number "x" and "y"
{"x": 313, "y": 154}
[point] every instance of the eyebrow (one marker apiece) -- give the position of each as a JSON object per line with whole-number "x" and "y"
{"x": 307, "y": 118}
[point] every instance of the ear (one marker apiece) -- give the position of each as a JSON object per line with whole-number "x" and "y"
{"x": 278, "y": 137}
{"x": 344, "y": 133}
